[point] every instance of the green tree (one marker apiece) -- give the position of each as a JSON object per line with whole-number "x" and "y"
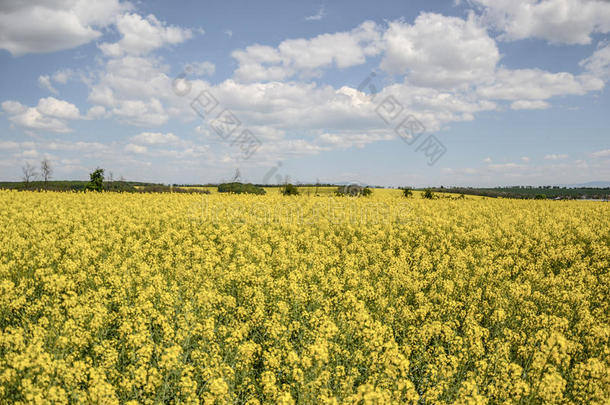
{"x": 96, "y": 181}
{"x": 407, "y": 192}
{"x": 428, "y": 194}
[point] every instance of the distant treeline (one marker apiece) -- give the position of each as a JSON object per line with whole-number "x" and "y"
{"x": 527, "y": 192}
{"x": 79, "y": 185}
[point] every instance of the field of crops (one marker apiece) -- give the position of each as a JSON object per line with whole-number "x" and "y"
{"x": 148, "y": 298}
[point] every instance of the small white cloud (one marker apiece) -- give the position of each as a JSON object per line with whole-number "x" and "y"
{"x": 201, "y": 68}
{"x": 554, "y": 156}
{"x": 525, "y": 159}
{"x": 58, "y": 108}
{"x": 45, "y": 82}
{"x": 138, "y": 149}
{"x": 142, "y": 35}
{"x": 155, "y": 138}
{"x": 487, "y": 160}
{"x": 62, "y": 76}
{"x": 318, "y": 16}
{"x": 529, "y": 105}
{"x": 229, "y": 33}
{"x": 598, "y": 64}
{"x": 601, "y": 153}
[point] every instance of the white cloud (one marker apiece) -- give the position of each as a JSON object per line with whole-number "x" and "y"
{"x": 142, "y": 35}
{"x": 318, "y": 16}
{"x": 306, "y": 56}
{"x": 58, "y": 108}
{"x": 96, "y": 112}
{"x": 8, "y": 145}
{"x": 598, "y": 64}
{"x": 50, "y": 114}
{"x": 45, "y": 82}
{"x": 155, "y": 138}
{"x": 536, "y": 84}
{"x": 601, "y": 153}
{"x": 141, "y": 112}
{"x": 554, "y": 156}
{"x": 62, "y": 76}
{"x": 440, "y": 51}
{"x": 138, "y": 149}
{"x": 557, "y": 21}
{"x": 529, "y": 105}
{"x": 47, "y": 26}
{"x": 201, "y": 68}
{"x": 138, "y": 91}
{"x": 487, "y": 160}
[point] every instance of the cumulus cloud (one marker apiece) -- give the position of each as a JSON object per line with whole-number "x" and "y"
{"x": 41, "y": 26}
{"x": 306, "y": 56}
{"x": 142, "y": 35}
{"x": 536, "y": 84}
{"x": 440, "y": 51}
{"x": 556, "y": 21}
{"x": 50, "y": 114}
{"x": 138, "y": 91}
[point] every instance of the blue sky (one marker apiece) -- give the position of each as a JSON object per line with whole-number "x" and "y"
{"x": 488, "y": 92}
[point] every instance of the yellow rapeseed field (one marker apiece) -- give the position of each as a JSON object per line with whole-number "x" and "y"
{"x": 173, "y": 298}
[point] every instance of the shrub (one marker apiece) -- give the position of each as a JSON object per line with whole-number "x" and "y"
{"x": 428, "y": 194}
{"x": 240, "y": 188}
{"x": 353, "y": 190}
{"x": 290, "y": 189}
{"x": 407, "y": 192}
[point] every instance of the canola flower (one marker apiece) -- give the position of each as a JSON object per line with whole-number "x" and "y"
{"x": 167, "y": 298}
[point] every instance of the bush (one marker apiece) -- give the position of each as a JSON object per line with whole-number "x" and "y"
{"x": 407, "y": 192}
{"x": 540, "y": 197}
{"x": 428, "y": 194}
{"x": 240, "y": 188}
{"x": 160, "y": 188}
{"x": 290, "y": 189}
{"x": 353, "y": 190}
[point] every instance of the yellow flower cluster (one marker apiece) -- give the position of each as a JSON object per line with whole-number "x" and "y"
{"x": 167, "y": 298}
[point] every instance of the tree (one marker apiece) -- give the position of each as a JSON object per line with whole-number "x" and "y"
{"x": 407, "y": 192}
{"x": 96, "y": 181}
{"x": 46, "y": 171}
{"x": 29, "y": 173}
{"x": 428, "y": 194}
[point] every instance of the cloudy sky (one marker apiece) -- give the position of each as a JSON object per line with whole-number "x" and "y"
{"x": 417, "y": 93}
